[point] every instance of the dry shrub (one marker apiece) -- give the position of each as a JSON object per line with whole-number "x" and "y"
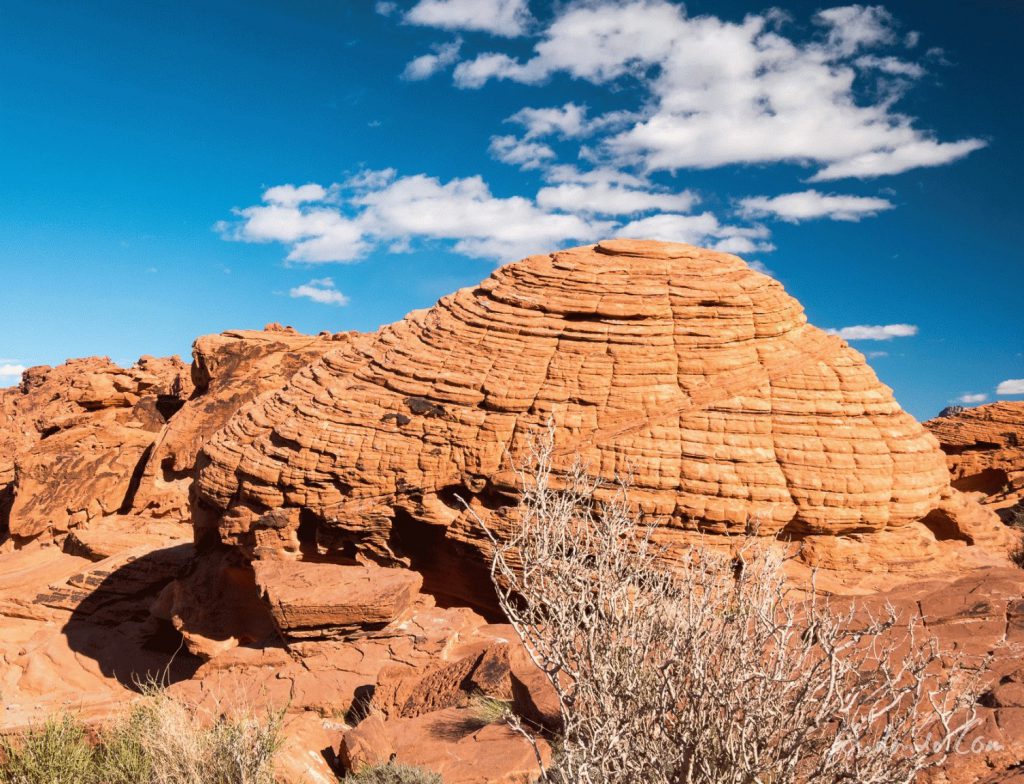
{"x": 713, "y": 672}
{"x": 56, "y": 753}
{"x": 158, "y": 740}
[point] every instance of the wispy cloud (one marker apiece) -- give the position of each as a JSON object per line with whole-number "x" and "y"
{"x": 521, "y": 152}
{"x": 1012, "y": 386}
{"x": 875, "y": 332}
{"x": 320, "y": 290}
{"x": 10, "y": 372}
{"x": 808, "y": 205}
{"x": 426, "y": 65}
{"x": 972, "y": 398}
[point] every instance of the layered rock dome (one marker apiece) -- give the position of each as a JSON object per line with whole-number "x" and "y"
{"x": 682, "y": 367}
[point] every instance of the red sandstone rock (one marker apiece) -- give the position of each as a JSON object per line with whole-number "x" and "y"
{"x": 404, "y": 692}
{"x": 984, "y": 448}
{"x": 533, "y": 696}
{"x": 73, "y": 437}
{"x": 229, "y": 370}
{"x": 366, "y": 745}
{"x": 681, "y": 366}
{"x": 302, "y": 758}
{"x": 453, "y": 743}
{"x": 329, "y": 600}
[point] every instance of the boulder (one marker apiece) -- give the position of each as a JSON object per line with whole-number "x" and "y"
{"x": 320, "y": 600}
{"x": 405, "y": 692}
{"x": 366, "y": 745}
{"x": 453, "y": 742}
{"x": 682, "y": 367}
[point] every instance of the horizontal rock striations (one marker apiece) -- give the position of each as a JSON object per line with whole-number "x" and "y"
{"x": 984, "y": 448}
{"x": 682, "y": 367}
{"x": 229, "y": 370}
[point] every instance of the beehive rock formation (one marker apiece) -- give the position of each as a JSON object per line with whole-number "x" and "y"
{"x": 683, "y": 367}
{"x": 984, "y": 448}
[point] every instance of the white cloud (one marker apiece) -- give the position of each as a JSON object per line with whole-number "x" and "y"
{"x": 568, "y": 120}
{"x": 719, "y": 93}
{"x": 426, "y": 65}
{"x": 385, "y": 7}
{"x": 1012, "y": 386}
{"x": 890, "y": 65}
{"x": 290, "y": 195}
{"x": 604, "y": 198}
{"x": 807, "y": 205}
{"x": 500, "y": 17}
{"x": 320, "y": 290}
{"x": 880, "y": 332}
{"x": 699, "y": 229}
{"x": 854, "y": 27}
{"x": 379, "y": 210}
{"x": 600, "y": 175}
{"x": 876, "y": 354}
{"x": 521, "y": 153}
{"x": 10, "y": 372}
{"x": 971, "y": 397}
{"x": 921, "y": 152}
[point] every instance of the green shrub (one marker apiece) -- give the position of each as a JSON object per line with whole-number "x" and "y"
{"x": 394, "y": 774}
{"x": 56, "y": 753}
{"x": 159, "y": 740}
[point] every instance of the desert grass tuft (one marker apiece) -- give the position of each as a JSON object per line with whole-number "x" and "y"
{"x": 58, "y": 752}
{"x": 158, "y": 740}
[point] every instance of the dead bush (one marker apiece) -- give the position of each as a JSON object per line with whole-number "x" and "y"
{"x": 712, "y": 672}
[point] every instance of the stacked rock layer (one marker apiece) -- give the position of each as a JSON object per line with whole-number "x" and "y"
{"x": 984, "y": 448}
{"x": 682, "y": 367}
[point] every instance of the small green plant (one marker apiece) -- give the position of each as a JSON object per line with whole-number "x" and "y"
{"x": 394, "y": 774}
{"x": 121, "y": 756}
{"x": 56, "y": 753}
{"x": 1016, "y": 522}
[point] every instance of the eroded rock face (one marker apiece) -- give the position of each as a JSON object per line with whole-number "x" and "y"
{"x": 229, "y": 370}
{"x": 984, "y": 448}
{"x": 681, "y": 366}
{"x": 73, "y": 437}
{"x": 323, "y": 600}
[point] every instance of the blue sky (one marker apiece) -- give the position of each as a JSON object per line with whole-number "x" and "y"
{"x": 169, "y": 170}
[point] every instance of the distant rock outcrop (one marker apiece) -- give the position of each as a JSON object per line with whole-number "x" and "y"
{"x": 73, "y": 437}
{"x": 682, "y": 367}
{"x": 984, "y": 448}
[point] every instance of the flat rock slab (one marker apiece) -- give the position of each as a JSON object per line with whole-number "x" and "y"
{"x": 311, "y": 600}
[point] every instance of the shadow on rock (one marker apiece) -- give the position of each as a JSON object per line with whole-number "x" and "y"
{"x": 111, "y": 621}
